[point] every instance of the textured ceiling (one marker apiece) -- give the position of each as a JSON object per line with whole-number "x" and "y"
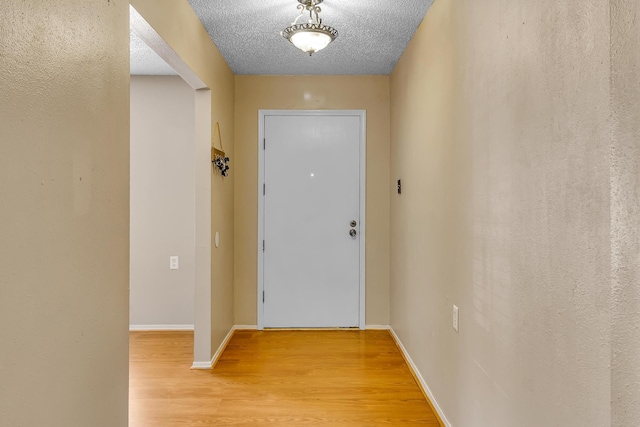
{"x": 247, "y": 33}
{"x": 372, "y": 35}
{"x": 144, "y": 60}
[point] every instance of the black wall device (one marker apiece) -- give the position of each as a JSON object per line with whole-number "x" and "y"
{"x": 399, "y": 186}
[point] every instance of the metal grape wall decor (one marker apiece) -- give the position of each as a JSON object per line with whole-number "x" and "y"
{"x": 218, "y": 157}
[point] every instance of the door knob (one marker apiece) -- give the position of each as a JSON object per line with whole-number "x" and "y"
{"x": 352, "y": 233}
{"x": 353, "y": 223}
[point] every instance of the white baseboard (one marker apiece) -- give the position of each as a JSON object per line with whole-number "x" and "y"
{"x": 423, "y": 383}
{"x": 378, "y": 327}
{"x": 223, "y": 345}
{"x": 246, "y": 327}
{"x": 412, "y": 365}
{"x": 161, "y": 327}
{"x": 201, "y": 365}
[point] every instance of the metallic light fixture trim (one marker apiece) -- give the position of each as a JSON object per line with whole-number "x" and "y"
{"x": 313, "y": 35}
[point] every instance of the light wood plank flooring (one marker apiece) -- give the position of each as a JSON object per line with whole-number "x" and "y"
{"x": 275, "y": 378}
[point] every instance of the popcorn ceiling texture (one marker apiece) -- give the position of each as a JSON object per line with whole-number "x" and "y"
{"x": 372, "y": 35}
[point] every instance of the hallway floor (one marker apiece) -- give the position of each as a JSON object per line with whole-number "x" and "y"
{"x": 275, "y": 378}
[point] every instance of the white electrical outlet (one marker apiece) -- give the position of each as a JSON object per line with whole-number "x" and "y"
{"x": 174, "y": 263}
{"x": 455, "y": 317}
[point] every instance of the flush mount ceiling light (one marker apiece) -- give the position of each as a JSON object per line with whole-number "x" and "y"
{"x": 313, "y": 35}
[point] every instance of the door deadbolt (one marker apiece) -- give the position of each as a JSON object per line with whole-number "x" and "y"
{"x": 352, "y": 233}
{"x": 353, "y": 223}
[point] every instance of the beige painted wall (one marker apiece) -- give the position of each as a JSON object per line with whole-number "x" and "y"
{"x": 179, "y": 26}
{"x": 370, "y": 93}
{"x": 162, "y": 201}
{"x": 500, "y": 133}
{"x": 625, "y": 212}
{"x": 64, "y": 204}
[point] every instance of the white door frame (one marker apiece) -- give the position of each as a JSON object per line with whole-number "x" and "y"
{"x": 362, "y": 114}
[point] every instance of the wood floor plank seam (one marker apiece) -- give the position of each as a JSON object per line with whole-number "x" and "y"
{"x": 283, "y": 378}
{"x": 416, "y": 378}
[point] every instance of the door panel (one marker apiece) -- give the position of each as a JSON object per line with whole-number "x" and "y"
{"x": 311, "y": 263}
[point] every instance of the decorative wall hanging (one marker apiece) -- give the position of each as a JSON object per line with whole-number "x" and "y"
{"x": 218, "y": 157}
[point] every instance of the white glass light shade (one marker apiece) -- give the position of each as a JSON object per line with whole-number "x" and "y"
{"x": 310, "y": 41}
{"x": 310, "y": 37}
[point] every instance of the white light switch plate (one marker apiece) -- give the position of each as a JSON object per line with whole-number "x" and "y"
{"x": 455, "y": 318}
{"x": 174, "y": 263}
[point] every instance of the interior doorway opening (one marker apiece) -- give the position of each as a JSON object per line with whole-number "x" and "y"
{"x": 197, "y": 234}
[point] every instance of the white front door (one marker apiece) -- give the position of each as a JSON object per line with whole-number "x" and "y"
{"x": 312, "y": 219}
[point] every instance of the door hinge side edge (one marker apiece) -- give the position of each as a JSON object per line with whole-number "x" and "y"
{"x": 262, "y": 296}
{"x": 264, "y": 143}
